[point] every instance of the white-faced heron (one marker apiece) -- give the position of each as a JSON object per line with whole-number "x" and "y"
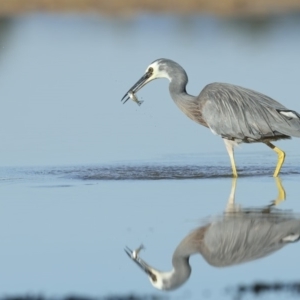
{"x": 237, "y": 114}
{"x": 238, "y": 236}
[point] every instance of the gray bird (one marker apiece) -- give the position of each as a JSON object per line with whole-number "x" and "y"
{"x": 237, "y": 114}
{"x": 238, "y": 236}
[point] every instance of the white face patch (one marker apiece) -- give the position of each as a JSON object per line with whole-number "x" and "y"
{"x": 289, "y": 114}
{"x": 161, "y": 279}
{"x": 158, "y": 73}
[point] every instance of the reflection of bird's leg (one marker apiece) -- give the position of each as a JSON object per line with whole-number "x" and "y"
{"x": 229, "y": 146}
{"x": 281, "y": 192}
{"x": 231, "y": 206}
{"x": 231, "y": 199}
{"x": 281, "y": 157}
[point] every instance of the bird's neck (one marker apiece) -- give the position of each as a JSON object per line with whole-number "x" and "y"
{"x": 187, "y": 103}
{"x": 182, "y": 99}
{"x": 177, "y": 276}
{"x": 181, "y": 267}
{"x": 178, "y": 92}
{"x": 180, "y": 261}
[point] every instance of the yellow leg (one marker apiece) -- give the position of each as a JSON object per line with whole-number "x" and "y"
{"x": 229, "y": 146}
{"x": 281, "y": 157}
{"x": 231, "y": 206}
{"x": 281, "y": 191}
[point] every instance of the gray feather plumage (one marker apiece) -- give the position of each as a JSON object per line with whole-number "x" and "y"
{"x": 242, "y": 114}
{"x": 247, "y": 237}
{"x": 231, "y": 111}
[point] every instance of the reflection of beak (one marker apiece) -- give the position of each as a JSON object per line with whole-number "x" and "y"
{"x": 144, "y": 80}
{"x": 142, "y": 264}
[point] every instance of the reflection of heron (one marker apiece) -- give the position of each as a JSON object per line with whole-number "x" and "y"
{"x": 235, "y": 113}
{"x": 232, "y": 207}
{"x": 236, "y": 237}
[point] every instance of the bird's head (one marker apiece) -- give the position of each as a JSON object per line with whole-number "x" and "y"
{"x": 160, "y": 280}
{"x": 160, "y": 68}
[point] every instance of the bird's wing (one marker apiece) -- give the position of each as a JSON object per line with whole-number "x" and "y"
{"x": 245, "y": 238}
{"x": 238, "y": 113}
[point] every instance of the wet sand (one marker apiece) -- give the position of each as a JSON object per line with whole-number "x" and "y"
{"x": 129, "y": 7}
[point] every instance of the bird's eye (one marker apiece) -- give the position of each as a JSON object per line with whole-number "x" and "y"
{"x": 150, "y": 70}
{"x": 153, "y": 277}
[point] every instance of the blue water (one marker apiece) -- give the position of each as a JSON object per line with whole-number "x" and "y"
{"x": 83, "y": 175}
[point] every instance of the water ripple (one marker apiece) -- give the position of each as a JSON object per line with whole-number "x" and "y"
{"x": 161, "y": 172}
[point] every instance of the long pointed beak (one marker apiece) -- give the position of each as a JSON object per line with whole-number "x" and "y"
{"x": 137, "y": 86}
{"x": 141, "y": 263}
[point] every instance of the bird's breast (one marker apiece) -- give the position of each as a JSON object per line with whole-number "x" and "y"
{"x": 193, "y": 111}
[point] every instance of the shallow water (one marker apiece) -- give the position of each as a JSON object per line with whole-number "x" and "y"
{"x": 84, "y": 176}
{"x": 63, "y": 229}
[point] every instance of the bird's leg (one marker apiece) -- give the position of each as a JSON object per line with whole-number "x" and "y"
{"x": 231, "y": 199}
{"x": 281, "y": 157}
{"x": 229, "y": 146}
{"x": 280, "y": 198}
{"x": 281, "y": 192}
{"x": 231, "y": 206}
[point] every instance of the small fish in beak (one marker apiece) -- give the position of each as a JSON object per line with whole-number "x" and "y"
{"x": 137, "y": 86}
{"x": 135, "y": 252}
{"x": 134, "y": 98}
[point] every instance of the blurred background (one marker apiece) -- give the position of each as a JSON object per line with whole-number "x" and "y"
{"x": 64, "y": 67}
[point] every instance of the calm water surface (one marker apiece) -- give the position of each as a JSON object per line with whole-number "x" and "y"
{"x": 83, "y": 175}
{"x": 63, "y": 230}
